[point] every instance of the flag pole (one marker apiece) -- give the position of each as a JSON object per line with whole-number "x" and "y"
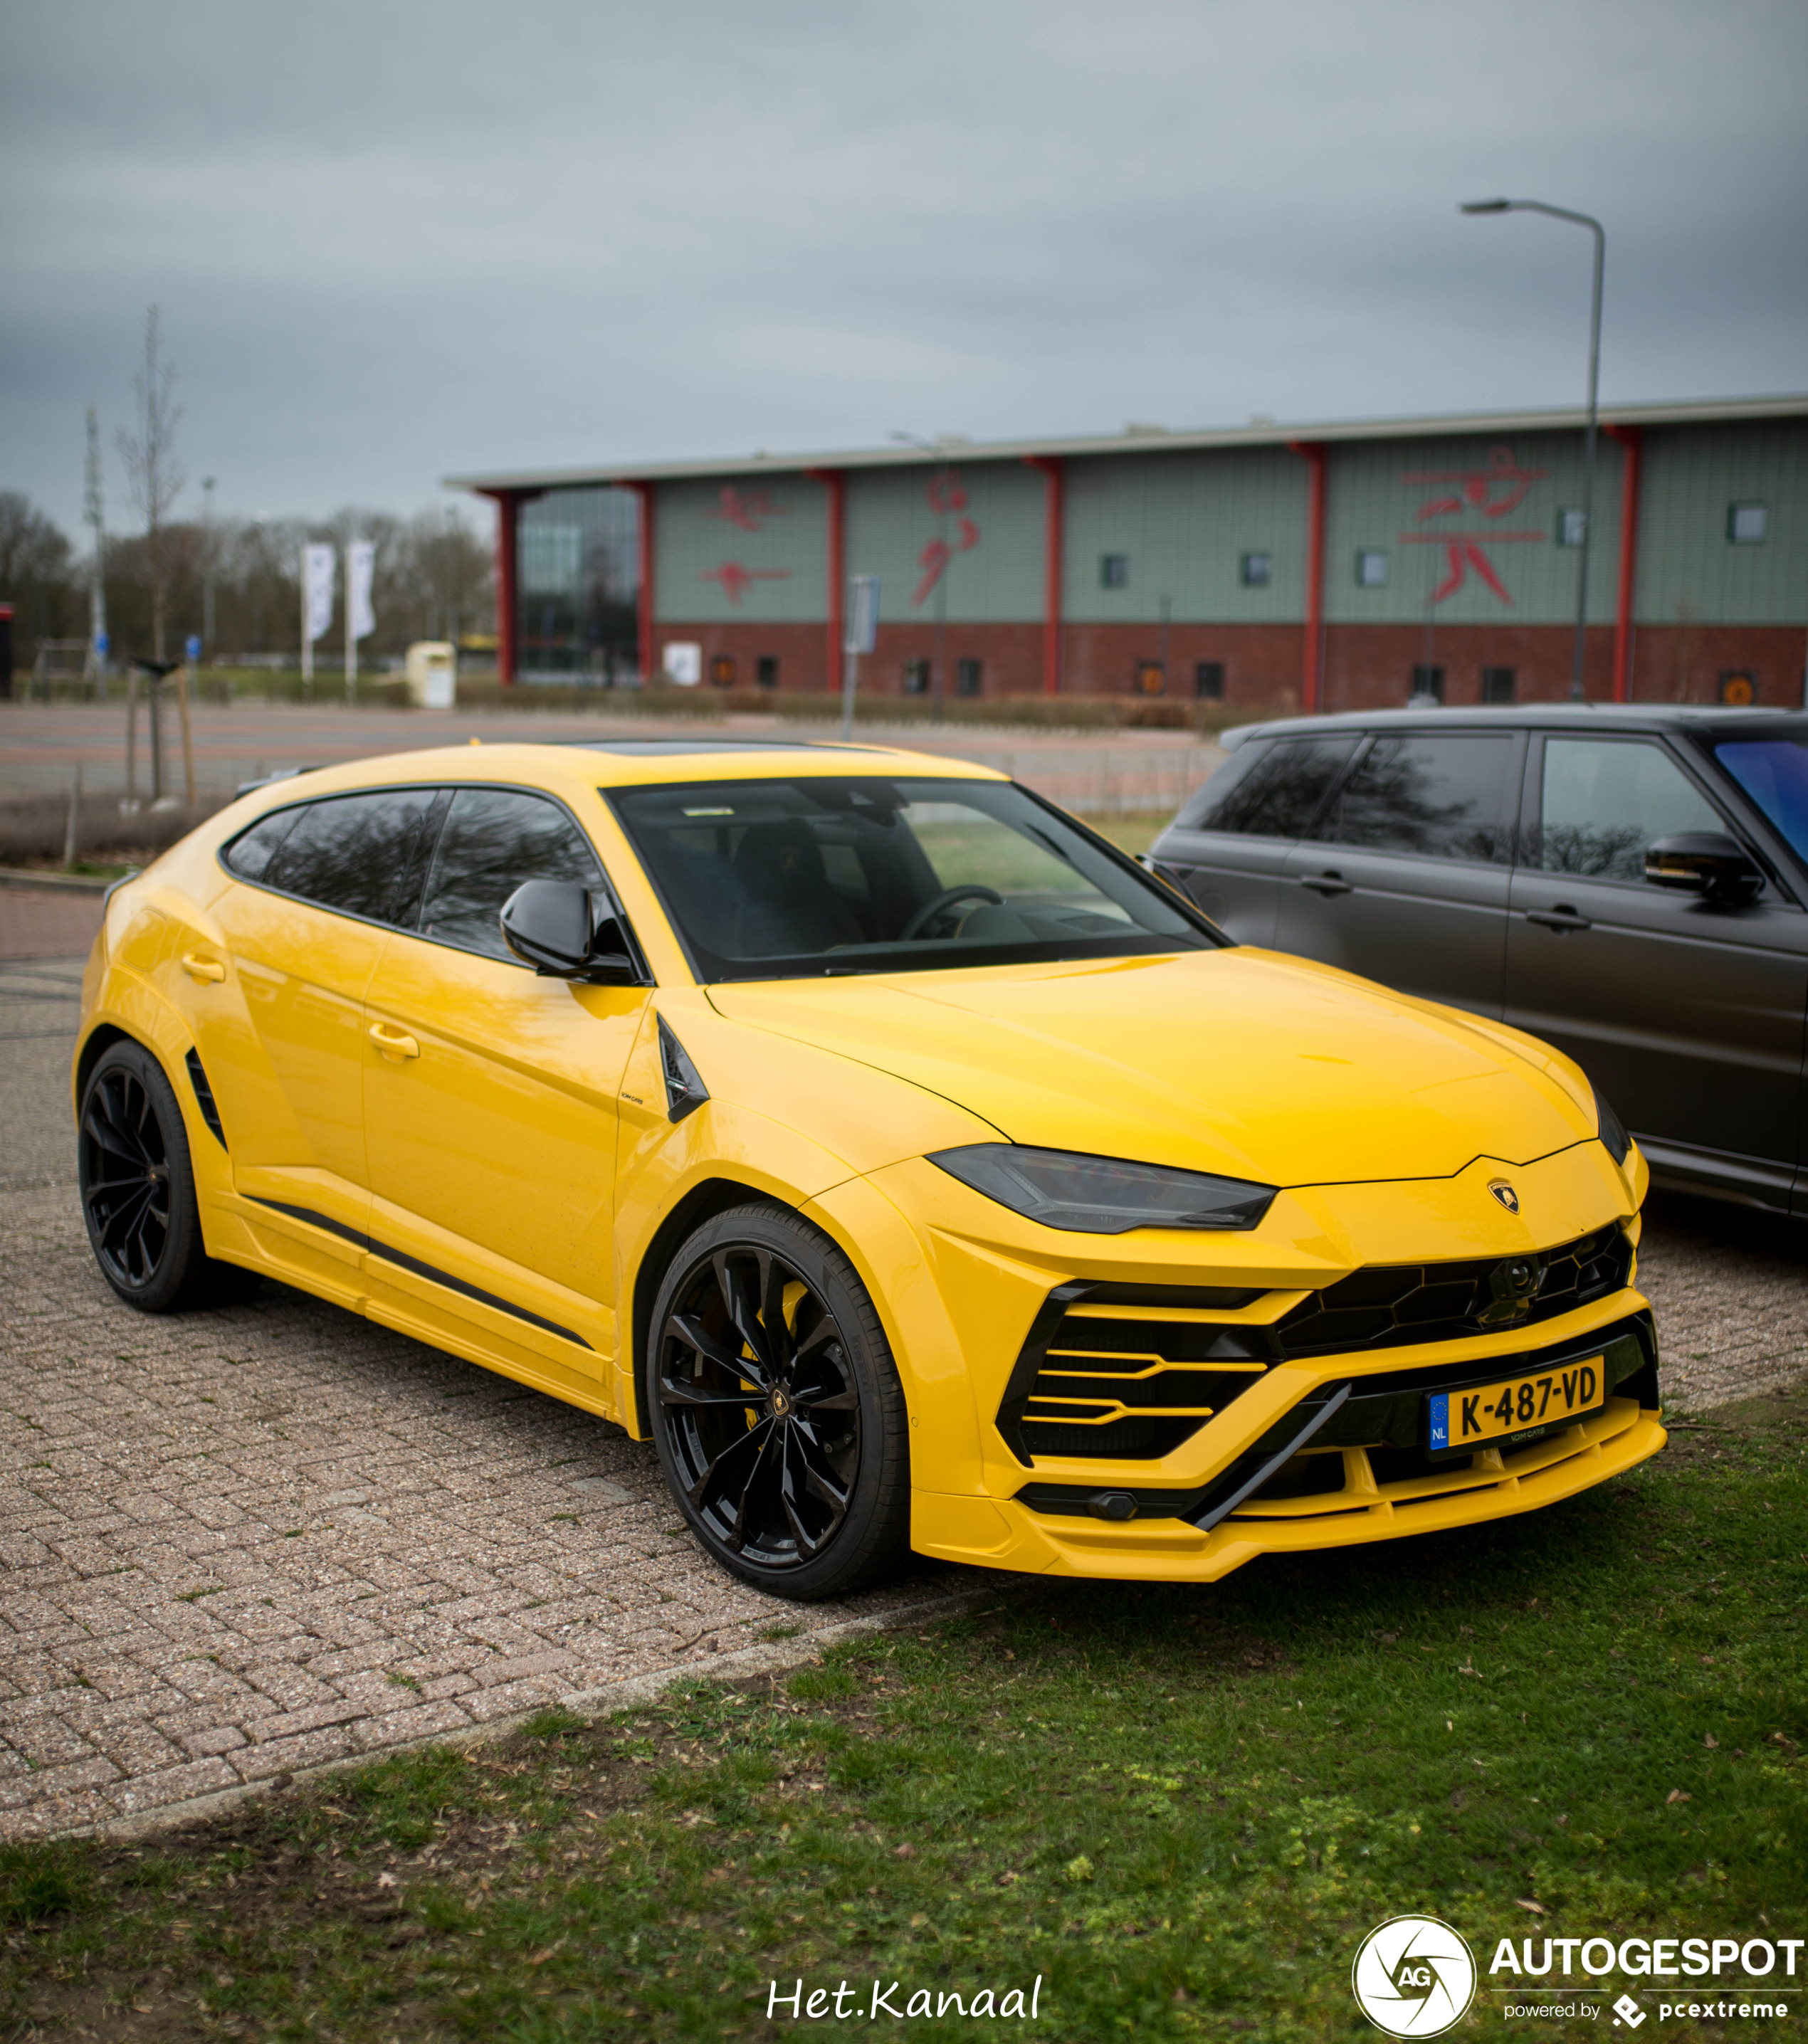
{"x": 307, "y": 643}
{"x": 351, "y": 642}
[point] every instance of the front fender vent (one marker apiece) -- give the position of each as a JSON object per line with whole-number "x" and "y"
{"x": 204, "y": 1097}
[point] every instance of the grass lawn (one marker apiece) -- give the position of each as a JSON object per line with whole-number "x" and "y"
{"x": 1183, "y": 1808}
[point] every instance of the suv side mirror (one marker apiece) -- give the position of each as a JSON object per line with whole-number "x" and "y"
{"x": 547, "y": 925}
{"x": 1704, "y": 863}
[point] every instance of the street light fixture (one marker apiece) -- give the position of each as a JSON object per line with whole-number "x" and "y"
{"x": 1600, "y": 233}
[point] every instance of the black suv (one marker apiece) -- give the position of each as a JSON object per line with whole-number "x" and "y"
{"x": 1629, "y": 881}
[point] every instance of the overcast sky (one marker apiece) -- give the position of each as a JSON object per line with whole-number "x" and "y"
{"x": 402, "y": 237}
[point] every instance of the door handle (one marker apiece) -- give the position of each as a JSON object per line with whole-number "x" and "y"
{"x": 394, "y": 1043}
{"x": 1327, "y": 883}
{"x": 203, "y": 970}
{"x": 1561, "y": 918}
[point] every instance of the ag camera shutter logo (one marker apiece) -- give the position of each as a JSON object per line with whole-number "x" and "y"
{"x": 1413, "y": 1976}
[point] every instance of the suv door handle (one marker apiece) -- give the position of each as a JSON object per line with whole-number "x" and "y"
{"x": 394, "y": 1043}
{"x": 1560, "y": 918}
{"x": 1327, "y": 883}
{"x": 203, "y": 970}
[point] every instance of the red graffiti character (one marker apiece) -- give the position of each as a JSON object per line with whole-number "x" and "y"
{"x": 1493, "y": 491}
{"x": 945, "y": 494}
{"x": 737, "y": 580}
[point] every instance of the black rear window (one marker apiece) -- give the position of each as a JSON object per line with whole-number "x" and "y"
{"x": 1273, "y": 790}
{"x": 345, "y": 852}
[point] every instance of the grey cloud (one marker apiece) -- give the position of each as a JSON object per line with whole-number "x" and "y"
{"x": 390, "y": 240}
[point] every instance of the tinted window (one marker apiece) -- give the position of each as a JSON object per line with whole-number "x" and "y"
{"x": 346, "y": 852}
{"x": 767, "y": 879}
{"x": 249, "y": 856}
{"x": 1436, "y": 797}
{"x": 1271, "y": 791}
{"x": 1774, "y": 772}
{"x": 492, "y": 840}
{"x": 1604, "y": 801}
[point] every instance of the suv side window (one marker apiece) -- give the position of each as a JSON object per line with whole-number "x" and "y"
{"x": 1603, "y": 799}
{"x": 1274, "y": 793}
{"x": 1433, "y": 797}
{"x": 492, "y": 840}
{"x": 345, "y": 853}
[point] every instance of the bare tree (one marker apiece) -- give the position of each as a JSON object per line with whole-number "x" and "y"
{"x": 153, "y": 473}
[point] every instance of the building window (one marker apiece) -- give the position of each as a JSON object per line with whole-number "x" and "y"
{"x": 1114, "y": 570}
{"x": 1739, "y": 689}
{"x": 1499, "y": 685}
{"x": 916, "y": 678}
{"x": 969, "y": 677}
{"x": 1258, "y": 570}
{"x": 1572, "y": 524}
{"x": 1748, "y": 525}
{"x": 1208, "y": 680}
{"x": 766, "y": 670}
{"x": 1428, "y": 685}
{"x": 721, "y": 670}
{"x": 1371, "y": 568}
{"x": 1152, "y": 678}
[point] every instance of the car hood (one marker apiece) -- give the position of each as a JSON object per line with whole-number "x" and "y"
{"x": 1237, "y": 1061}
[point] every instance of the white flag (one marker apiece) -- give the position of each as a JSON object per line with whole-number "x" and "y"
{"x": 317, "y": 579}
{"x": 360, "y": 565}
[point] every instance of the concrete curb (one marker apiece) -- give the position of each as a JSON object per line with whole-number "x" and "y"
{"x": 51, "y": 883}
{"x": 771, "y": 1657}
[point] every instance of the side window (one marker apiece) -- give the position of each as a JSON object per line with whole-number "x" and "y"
{"x": 1276, "y": 793}
{"x": 492, "y": 840}
{"x": 249, "y": 855}
{"x": 1604, "y": 799}
{"x": 344, "y": 853}
{"x": 1435, "y": 798}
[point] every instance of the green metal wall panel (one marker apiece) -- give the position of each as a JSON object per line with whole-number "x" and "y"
{"x": 1184, "y": 522}
{"x": 992, "y": 527}
{"x": 1689, "y": 572}
{"x": 1448, "y": 514}
{"x": 741, "y": 552}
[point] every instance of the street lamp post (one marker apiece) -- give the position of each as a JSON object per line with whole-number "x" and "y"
{"x": 207, "y": 565}
{"x": 938, "y": 693}
{"x": 1600, "y": 233}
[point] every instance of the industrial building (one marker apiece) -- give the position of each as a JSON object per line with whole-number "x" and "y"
{"x": 1330, "y": 567}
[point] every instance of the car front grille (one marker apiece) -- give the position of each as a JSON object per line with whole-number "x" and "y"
{"x": 1391, "y": 1305}
{"x": 1130, "y": 1385}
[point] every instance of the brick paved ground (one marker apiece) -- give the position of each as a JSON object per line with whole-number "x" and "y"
{"x": 240, "y": 1542}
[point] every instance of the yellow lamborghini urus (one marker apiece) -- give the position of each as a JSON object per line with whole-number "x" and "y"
{"x": 906, "y": 1164}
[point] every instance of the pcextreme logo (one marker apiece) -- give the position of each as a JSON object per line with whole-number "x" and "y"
{"x": 1413, "y": 1976}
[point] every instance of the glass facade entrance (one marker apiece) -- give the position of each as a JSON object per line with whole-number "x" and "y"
{"x": 578, "y": 585}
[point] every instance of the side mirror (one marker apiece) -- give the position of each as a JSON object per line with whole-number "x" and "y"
{"x": 547, "y": 925}
{"x": 1704, "y": 863}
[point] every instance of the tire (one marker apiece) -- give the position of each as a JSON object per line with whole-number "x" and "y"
{"x": 137, "y": 1184}
{"x": 789, "y": 1459}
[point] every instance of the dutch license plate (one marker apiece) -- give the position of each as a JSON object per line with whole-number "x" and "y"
{"x": 1550, "y": 1398}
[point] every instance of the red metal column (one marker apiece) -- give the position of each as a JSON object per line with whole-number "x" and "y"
{"x": 835, "y": 481}
{"x": 1632, "y": 441}
{"x": 644, "y": 633}
{"x": 1053, "y": 515}
{"x": 1313, "y": 453}
{"x": 508, "y": 504}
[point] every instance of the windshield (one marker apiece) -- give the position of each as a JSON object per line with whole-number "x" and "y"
{"x": 779, "y": 879}
{"x": 1774, "y": 772}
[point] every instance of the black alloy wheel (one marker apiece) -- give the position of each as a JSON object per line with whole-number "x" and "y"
{"x": 138, "y": 1187}
{"x": 776, "y": 1408}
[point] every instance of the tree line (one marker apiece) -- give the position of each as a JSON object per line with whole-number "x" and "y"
{"x": 435, "y": 579}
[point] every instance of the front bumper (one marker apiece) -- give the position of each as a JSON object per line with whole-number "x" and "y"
{"x": 1197, "y": 1463}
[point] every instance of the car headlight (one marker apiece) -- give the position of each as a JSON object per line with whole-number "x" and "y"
{"x": 1613, "y": 1130}
{"x": 1103, "y": 1195}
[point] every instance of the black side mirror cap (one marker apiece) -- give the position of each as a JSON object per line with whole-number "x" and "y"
{"x": 1706, "y": 862}
{"x": 547, "y": 924}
